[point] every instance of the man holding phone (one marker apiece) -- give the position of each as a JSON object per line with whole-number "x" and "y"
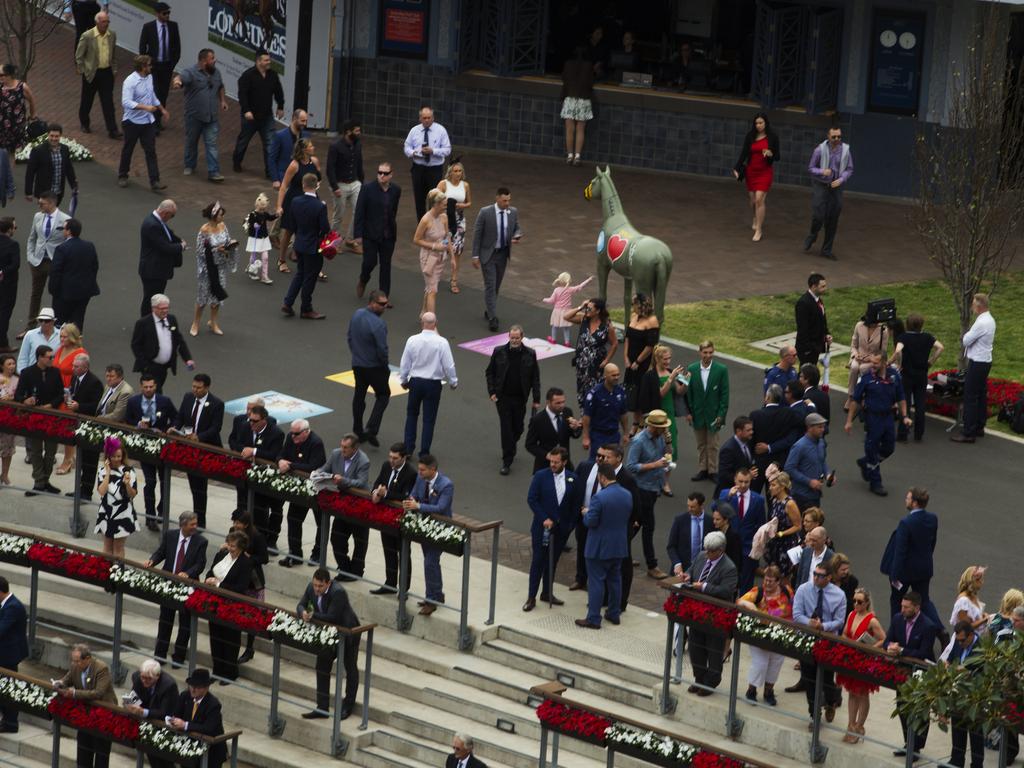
{"x": 428, "y": 147}
{"x": 495, "y": 232}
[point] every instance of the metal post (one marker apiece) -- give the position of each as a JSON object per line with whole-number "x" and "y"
{"x": 165, "y": 497}
{"x": 680, "y": 650}
{"x": 733, "y": 724}
{"x": 910, "y": 746}
{"x": 250, "y": 498}
{"x": 609, "y": 760}
{"x": 33, "y": 611}
{"x": 403, "y": 620}
{"x": 193, "y": 623}
{"x": 275, "y": 724}
{"x": 465, "y": 637}
{"x": 551, "y": 594}
{"x": 337, "y": 746}
{"x": 494, "y": 575}
{"x": 234, "y": 751}
{"x": 543, "y": 746}
{"x": 665, "y": 707}
{"x": 325, "y": 535}
{"x": 1003, "y": 736}
{"x": 818, "y": 752}
{"x": 140, "y": 759}
{"x": 119, "y": 672}
{"x": 554, "y": 749}
{"x": 366, "y": 680}
{"x": 77, "y": 528}
{"x": 55, "y": 745}
{"x": 204, "y": 761}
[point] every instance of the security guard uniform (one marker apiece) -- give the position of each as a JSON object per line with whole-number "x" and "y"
{"x": 877, "y": 397}
{"x": 605, "y": 409}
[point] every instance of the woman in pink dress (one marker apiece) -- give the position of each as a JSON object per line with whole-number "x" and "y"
{"x": 562, "y": 300}
{"x": 861, "y": 627}
{"x": 432, "y": 237}
{"x": 760, "y": 150}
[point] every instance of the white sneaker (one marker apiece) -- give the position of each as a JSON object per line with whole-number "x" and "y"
{"x": 187, "y": 172}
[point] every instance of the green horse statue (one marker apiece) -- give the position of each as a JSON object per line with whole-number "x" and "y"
{"x": 640, "y": 259}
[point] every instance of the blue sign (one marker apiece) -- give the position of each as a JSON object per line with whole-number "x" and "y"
{"x": 897, "y": 45}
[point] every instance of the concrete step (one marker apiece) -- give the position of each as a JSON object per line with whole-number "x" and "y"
{"x": 378, "y": 757}
{"x": 32, "y": 746}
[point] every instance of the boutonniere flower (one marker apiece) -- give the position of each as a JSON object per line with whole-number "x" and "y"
{"x": 300, "y": 455}
{"x": 259, "y": 441}
{"x": 174, "y": 327}
{"x": 571, "y": 480}
{"x": 88, "y": 680}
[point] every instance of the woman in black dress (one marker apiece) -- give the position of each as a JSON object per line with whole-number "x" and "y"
{"x": 303, "y": 162}
{"x": 231, "y": 571}
{"x": 916, "y": 352}
{"x": 595, "y": 345}
{"x": 241, "y": 521}
{"x": 641, "y": 335}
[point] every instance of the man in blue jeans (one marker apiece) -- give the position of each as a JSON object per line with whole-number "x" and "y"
{"x": 426, "y": 362}
{"x": 204, "y": 98}
{"x": 258, "y": 88}
{"x": 432, "y": 495}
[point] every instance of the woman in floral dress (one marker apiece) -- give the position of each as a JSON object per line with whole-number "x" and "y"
{"x": 787, "y": 513}
{"x": 595, "y": 345}
{"x": 17, "y": 107}
{"x": 117, "y": 488}
{"x": 214, "y": 249}
{"x": 8, "y": 383}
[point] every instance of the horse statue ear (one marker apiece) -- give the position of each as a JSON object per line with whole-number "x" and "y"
{"x": 608, "y": 171}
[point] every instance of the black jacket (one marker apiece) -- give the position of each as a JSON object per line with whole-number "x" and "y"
{"x": 337, "y": 608}
{"x": 541, "y": 437}
{"x": 779, "y": 427}
{"x": 158, "y": 254}
{"x": 46, "y": 386}
{"x": 149, "y": 42}
{"x": 257, "y": 93}
{"x": 74, "y": 270}
{"x": 679, "y": 538}
{"x": 403, "y": 483}
{"x": 821, "y": 402}
{"x": 241, "y": 433}
{"x": 473, "y": 762}
{"x": 87, "y": 393}
{"x": 344, "y": 159}
{"x": 39, "y": 173}
{"x": 529, "y": 372}
{"x": 146, "y": 345}
{"x": 307, "y": 456}
{"x": 195, "y": 554}
{"x": 811, "y": 325}
{"x": 10, "y": 260}
{"x": 163, "y": 698}
{"x": 207, "y": 721}
{"x": 211, "y": 418}
{"x": 730, "y": 459}
{"x": 239, "y": 576}
{"x": 376, "y": 212}
{"x": 773, "y": 145}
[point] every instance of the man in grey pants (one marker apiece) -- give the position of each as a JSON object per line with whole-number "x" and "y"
{"x": 831, "y": 167}
{"x": 495, "y": 231}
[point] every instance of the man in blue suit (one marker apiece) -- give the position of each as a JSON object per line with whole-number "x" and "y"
{"x": 607, "y": 517}
{"x": 150, "y": 410}
{"x": 553, "y": 498}
{"x": 13, "y": 645}
{"x": 750, "y": 509}
{"x": 686, "y": 539}
{"x": 310, "y": 215}
{"x": 73, "y": 275}
{"x": 432, "y": 495}
{"x": 908, "y": 555}
{"x": 911, "y": 633}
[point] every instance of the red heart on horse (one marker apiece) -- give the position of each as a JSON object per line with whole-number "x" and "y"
{"x": 616, "y": 247}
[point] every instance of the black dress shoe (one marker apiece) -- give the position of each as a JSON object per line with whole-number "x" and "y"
{"x": 577, "y": 586}
{"x": 809, "y": 242}
{"x": 86, "y": 129}
{"x": 152, "y": 525}
{"x": 879, "y": 490}
{"x": 50, "y": 488}
{"x": 692, "y": 689}
{"x": 346, "y": 713}
{"x": 796, "y": 687}
{"x": 962, "y": 439}
{"x": 899, "y": 753}
{"x": 703, "y": 692}
{"x": 372, "y": 440}
{"x": 385, "y": 590}
{"x": 314, "y": 715}
{"x": 702, "y": 475}
{"x": 288, "y": 311}
{"x": 586, "y": 624}
{"x": 554, "y": 600}
{"x": 493, "y": 324}
{"x": 247, "y": 656}
{"x": 8, "y": 728}
{"x": 286, "y": 562}
{"x": 505, "y": 469}
{"x": 223, "y": 682}
{"x": 344, "y": 577}
{"x": 530, "y": 604}
{"x": 34, "y": 492}
{"x": 616, "y": 622}
{"x": 116, "y": 135}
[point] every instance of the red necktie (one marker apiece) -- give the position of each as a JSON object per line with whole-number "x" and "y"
{"x": 821, "y": 306}
{"x": 741, "y": 509}
{"x": 180, "y": 559}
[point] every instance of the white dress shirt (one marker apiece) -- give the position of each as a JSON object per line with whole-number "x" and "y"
{"x": 560, "y": 486}
{"x": 704, "y": 374}
{"x": 436, "y": 136}
{"x": 978, "y": 340}
{"x": 163, "y": 339}
{"x": 427, "y": 355}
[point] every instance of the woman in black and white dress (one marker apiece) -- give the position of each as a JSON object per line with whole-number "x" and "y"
{"x": 116, "y": 485}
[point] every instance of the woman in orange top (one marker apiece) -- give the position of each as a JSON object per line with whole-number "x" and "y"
{"x": 63, "y": 358}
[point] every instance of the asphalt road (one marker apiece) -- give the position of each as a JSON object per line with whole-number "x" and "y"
{"x": 262, "y": 351}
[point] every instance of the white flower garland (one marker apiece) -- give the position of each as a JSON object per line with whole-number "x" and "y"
{"x": 303, "y": 632}
{"x": 776, "y": 634}
{"x": 169, "y": 742}
{"x": 268, "y": 476}
{"x": 425, "y": 527}
{"x": 149, "y": 582}
{"x": 79, "y": 153}
{"x": 13, "y": 545}
{"x": 136, "y": 443}
{"x": 648, "y": 741}
{"x": 25, "y": 694}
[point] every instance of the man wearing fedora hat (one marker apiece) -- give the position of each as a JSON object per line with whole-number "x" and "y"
{"x": 648, "y": 459}
{"x": 806, "y": 464}
{"x": 199, "y": 711}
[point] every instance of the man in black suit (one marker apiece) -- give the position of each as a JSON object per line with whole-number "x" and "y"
{"x": 512, "y": 377}
{"x": 462, "y": 753}
{"x": 265, "y": 441}
{"x": 73, "y": 275}
{"x": 375, "y": 227}
{"x": 310, "y": 215}
{"x": 50, "y": 167}
{"x": 160, "y": 252}
{"x": 912, "y": 634}
{"x": 10, "y": 260}
{"x": 686, "y": 538}
{"x": 198, "y": 711}
{"x": 394, "y": 482}
{"x": 157, "y": 343}
{"x": 554, "y": 425}
{"x": 13, "y": 645}
{"x": 303, "y": 451}
{"x": 241, "y": 437}
{"x": 151, "y": 410}
{"x": 41, "y": 385}
{"x": 327, "y": 601}
{"x": 83, "y": 12}
{"x": 734, "y": 454}
{"x": 182, "y": 552}
{"x": 809, "y": 378}
{"x": 776, "y": 428}
{"x": 812, "y": 336}
{"x": 200, "y": 418}
{"x": 85, "y": 390}
{"x": 158, "y": 696}
{"x": 161, "y": 41}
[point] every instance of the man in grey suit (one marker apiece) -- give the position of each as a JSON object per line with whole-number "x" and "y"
{"x": 495, "y": 232}
{"x": 350, "y": 468}
{"x": 46, "y": 234}
{"x": 714, "y": 574}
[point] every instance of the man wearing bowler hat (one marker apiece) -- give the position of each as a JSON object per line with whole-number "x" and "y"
{"x": 199, "y": 711}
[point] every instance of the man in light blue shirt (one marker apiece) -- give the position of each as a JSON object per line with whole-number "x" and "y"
{"x": 368, "y": 343}
{"x": 648, "y": 460}
{"x": 428, "y": 147}
{"x": 46, "y": 333}
{"x": 820, "y": 604}
{"x": 140, "y": 104}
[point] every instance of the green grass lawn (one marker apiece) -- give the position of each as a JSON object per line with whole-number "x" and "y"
{"x": 733, "y": 324}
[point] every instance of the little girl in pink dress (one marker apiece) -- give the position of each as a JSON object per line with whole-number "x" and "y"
{"x": 562, "y": 299}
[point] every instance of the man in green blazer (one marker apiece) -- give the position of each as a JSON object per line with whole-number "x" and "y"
{"x": 707, "y": 399}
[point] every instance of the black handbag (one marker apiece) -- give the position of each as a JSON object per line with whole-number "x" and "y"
{"x": 36, "y": 128}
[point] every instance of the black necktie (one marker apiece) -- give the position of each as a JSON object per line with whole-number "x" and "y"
{"x": 558, "y": 424}
{"x": 596, "y": 484}
{"x": 501, "y": 228}
{"x": 426, "y": 135}
{"x": 394, "y": 476}
{"x": 195, "y": 416}
{"x": 819, "y": 608}
{"x": 163, "y": 42}
{"x": 74, "y": 387}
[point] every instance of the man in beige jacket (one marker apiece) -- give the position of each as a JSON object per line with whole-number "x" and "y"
{"x": 95, "y": 59}
{"x": 88, "y": 679}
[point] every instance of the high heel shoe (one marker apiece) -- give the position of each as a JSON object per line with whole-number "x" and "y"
{"x": 193, "y": 331}
{"x": 63, "y": 469}
{"x": 214, "y": 329}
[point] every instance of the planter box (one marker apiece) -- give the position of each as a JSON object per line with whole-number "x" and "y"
{"x": 767, "y": 645}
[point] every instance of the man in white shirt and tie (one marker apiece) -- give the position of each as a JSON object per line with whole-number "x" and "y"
{"x": 426, "y": 363}
{"x": 46, "y": 234}
{"x": 978, "y": 350}
{"x": 495, "y": 232}
{"x": 462, "y": 753}
{"x": 428, "y": 147}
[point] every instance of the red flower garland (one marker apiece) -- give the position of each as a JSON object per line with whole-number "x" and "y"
{"x": 350, "y": 505}
{"x": 80, "y": 715}
{"x": 705, "y": 759}
{"x": 1000, "y": 391}
{"x": 573, "y": 721}
{"x": 52, "y": 425}
{"x": 1014, "y": 714}
{"x": 77, "y": 565}
{"x": 194, "y": 458}
{"x": 687, "y": 610}
{"x": 849, "y": 659}
{"x": 242, "y": 615}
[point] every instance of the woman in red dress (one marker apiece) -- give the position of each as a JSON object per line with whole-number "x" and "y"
{"x": 760, "y": 150}
{"x": 861, "y": 627}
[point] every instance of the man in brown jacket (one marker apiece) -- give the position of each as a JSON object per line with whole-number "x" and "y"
{"x": 88, "y": 679}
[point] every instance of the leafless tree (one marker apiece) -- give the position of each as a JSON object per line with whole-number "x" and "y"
{"x": 970, "y": 206}
{"x": 24, "y": 25}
